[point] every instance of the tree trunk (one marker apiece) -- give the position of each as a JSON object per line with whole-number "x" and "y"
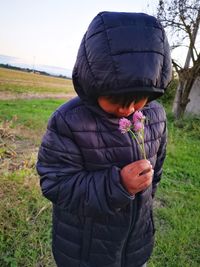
{"x": 177, "y": 105}
{"x": 182, "y": 94}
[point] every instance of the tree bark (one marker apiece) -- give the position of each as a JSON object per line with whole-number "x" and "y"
{"x": 186, "y": 81}
{"x": 178, "y": 109}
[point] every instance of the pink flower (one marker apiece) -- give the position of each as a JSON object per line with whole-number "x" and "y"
{"x": 138, "y": 116}
{"x": 124, "y": 125}
{"x": 138, "y": 126}
{"x": 135, "y": 128}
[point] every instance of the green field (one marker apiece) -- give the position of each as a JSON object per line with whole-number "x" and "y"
{"x": 25, "y": 221}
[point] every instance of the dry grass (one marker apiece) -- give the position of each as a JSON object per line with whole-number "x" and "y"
{"x": 17, "y": 150}
{"x": 23, "y": 82}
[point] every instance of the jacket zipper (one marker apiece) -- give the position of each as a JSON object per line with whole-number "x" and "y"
{"x": 133, "y": 209}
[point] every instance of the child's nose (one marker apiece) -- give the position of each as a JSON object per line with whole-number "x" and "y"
{"x": 126, "y": 110}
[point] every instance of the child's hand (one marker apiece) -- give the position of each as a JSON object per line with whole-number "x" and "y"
{"x": 137, "y": 176}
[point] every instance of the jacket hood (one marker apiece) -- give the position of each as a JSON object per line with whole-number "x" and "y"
{"x": 122, "y": 52}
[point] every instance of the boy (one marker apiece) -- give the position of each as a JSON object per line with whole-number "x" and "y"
{"x": 100, "y": 187}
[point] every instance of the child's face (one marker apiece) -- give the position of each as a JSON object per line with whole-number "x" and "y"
{"x": 117, "y": 109}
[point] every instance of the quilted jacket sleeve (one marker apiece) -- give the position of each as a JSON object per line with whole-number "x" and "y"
{"x": 66, "y": 183}
{"x": 160, "y": 160}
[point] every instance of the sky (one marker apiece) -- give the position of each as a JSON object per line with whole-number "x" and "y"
{"x": 49, "y": 32}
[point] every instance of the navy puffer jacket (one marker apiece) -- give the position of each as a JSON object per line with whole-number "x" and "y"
{"x": 96, "y": 222}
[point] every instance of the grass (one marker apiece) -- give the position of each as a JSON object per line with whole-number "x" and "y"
{"x": 18, "y": 82}
{"x": 25, "y": 222}
{"x": 177, "y": 216}
{"x": 30, "y": 113}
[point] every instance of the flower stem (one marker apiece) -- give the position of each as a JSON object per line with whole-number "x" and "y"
{"x": 144, "y": 152}
{"x": 140, "y": 146}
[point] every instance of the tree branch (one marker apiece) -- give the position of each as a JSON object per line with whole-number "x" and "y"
{"x": 177, "y": 67}
{"x": 191, "y": 38}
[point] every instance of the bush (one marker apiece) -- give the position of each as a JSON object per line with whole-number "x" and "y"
{"x": 168, "y": 98}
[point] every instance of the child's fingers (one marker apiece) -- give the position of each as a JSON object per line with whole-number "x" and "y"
{"x": 145, "y": 171}
{"x": 141, "y": 163}
{"x": 139, "y": 167}
{"x": 145, "y": 180}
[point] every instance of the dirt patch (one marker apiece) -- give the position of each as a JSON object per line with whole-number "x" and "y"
{"x": 16, "y": 152}
{"x": 12, "y": 96}
{"x": 18, "y": 155}
{"x": 159, "y": 203}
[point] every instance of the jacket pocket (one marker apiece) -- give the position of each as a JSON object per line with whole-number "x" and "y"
{"x": 86, "y": 240}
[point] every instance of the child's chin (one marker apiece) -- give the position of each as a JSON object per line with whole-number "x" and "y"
{"x": 122, "y": 115}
